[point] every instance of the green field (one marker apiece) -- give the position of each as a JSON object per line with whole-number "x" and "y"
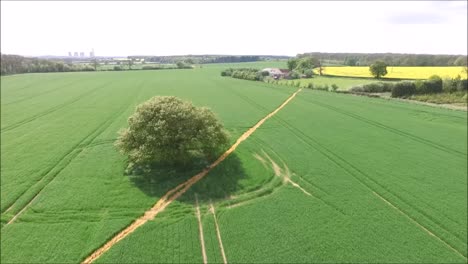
{"x": 330, "y": 178}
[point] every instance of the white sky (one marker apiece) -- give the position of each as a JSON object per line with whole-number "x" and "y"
{"x": 240, "y": 28}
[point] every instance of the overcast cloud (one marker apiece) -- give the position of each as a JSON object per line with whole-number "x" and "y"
{"x": 247, "y": 28}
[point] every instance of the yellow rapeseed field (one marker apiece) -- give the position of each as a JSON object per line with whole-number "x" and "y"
{"x": 398, "y": 72}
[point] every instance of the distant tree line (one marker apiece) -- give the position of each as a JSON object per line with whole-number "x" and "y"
{"x": 14, "y": 64}
{"x": 147, "y": 67}
{"x": 392, "y": 59}
{"x": 200, "y": 59}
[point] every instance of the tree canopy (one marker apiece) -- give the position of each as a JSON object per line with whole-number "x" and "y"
{"x": 167, "y": 130}
{"x": 303, "y": 65}
{"x": 378, "y": 69}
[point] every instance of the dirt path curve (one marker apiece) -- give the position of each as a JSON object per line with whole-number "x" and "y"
{"x": 282, "y": 172}
{"x": 175, "y": 193}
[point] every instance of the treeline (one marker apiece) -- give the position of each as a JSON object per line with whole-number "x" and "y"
{"x": 245, "y": 73}
{"x": 404, "y": 89}
{"x": 200, "y": 59}
{"x": 179, "y": 65}
{"x": 392, "y": 59}
{"x": 15, "y": 64}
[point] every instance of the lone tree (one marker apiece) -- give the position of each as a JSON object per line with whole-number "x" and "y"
{"x": 181, "y": 65}
{"x": 167, "y": 130}
{"x": 378, "y": 69}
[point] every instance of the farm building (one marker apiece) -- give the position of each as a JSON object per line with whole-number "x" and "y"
{"x": 277, "y": 73}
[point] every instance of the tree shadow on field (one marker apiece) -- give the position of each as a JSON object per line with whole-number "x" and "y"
{"x": 218, "y": 184}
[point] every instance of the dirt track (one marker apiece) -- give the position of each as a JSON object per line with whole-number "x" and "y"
{"x": 200, "y": 229}
{"x": 218, "y": 234}
{"x": 175, "y": 193}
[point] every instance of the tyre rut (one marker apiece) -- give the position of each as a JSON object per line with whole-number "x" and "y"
{"x": 67, "y": 159}
{"x": 51, "y": 110}
{"x": 319, "y": 197}
{"x": 37, "y": 95}
{"x": 354, "y": 172}
{"x": 391, "y": 129}
{"x": 50, "y": 174}
{"x": 291, "y": 128}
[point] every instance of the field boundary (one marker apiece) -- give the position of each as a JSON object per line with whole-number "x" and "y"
{"x": 176, "y": 192}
